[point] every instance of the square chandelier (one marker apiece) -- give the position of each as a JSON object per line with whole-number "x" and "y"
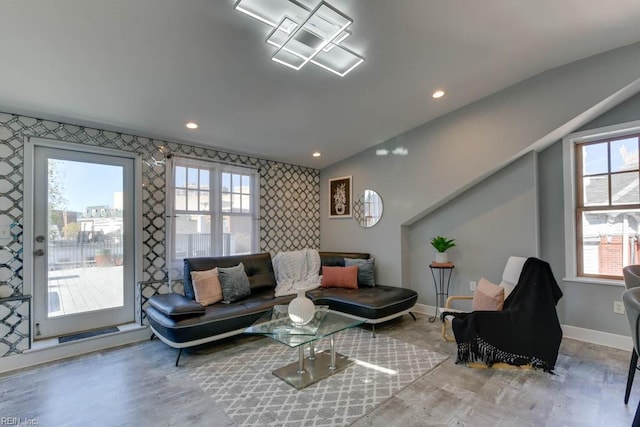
{"x": 302, "y": 35}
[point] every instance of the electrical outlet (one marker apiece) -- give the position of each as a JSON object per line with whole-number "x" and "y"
{"x": 618, "y": 307}
{"x": 472, "y": 285}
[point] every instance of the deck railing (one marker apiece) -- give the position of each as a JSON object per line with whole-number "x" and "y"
{"x": 73, "y": 253}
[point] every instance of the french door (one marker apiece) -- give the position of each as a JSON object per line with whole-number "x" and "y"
{"x": 82, "y": 239}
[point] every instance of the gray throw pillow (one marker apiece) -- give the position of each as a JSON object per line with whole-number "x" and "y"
{"x": 234, "y": 283}
{"x": 365, "y": 270}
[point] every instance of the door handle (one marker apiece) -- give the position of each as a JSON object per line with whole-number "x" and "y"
{"x": 39, "y": 252}
{"x": 39, "y": 239}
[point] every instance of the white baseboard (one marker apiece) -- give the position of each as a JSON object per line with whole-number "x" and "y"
{"x": 43, "y": 353}
{"x": 597, "y": 337}
{"x": 607, "y": 339}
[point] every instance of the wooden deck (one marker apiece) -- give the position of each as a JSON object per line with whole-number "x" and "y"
{"x": 78, "y": 290}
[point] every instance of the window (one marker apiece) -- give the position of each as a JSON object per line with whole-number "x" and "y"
{"x": 606, "y": 197}
{"x": 213, "y": 209}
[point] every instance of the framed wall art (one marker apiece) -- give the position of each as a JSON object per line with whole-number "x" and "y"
{"x": 340, "y": 197}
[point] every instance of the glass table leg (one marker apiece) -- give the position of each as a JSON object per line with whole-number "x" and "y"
{"x": 312, "y": 352}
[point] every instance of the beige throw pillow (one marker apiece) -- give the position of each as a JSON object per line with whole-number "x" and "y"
{"x": 206, "y": 286}
{"x": 488, "y": 297}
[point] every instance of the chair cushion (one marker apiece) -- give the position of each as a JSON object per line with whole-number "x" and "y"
{"x": 340, "y": 277}
{"x": 206, "y": 286}
{"x": 366, "y": 275}
{"x": 511, "y": 273}
{"x": 369, "y": 303}
{"x": 488, "y": 297}
{"x": 235, "y": 283}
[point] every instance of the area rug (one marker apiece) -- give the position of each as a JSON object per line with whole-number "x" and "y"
{"x": 252, "y": 396}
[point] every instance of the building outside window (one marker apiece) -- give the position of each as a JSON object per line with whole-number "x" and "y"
{"x": 213, "y": 209}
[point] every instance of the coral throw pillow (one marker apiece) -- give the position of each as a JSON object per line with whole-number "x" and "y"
{"x": 206, "y": 286}
{"x": 340, "y": 277}
{"x": 488, "y": 297}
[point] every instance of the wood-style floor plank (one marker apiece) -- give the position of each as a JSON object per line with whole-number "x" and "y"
{"x": 138, "y": 385}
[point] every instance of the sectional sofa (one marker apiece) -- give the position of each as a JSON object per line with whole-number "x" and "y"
{"x": 180, "y": 322}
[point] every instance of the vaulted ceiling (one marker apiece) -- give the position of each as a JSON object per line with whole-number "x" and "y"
{"x": 149, "y": 66}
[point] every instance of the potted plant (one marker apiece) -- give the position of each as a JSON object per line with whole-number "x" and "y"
{"x": 442, "y": 244}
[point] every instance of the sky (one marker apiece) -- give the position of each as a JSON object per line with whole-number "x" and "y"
{"x": 88, "y": 184}
{"x": 624, "y": 156}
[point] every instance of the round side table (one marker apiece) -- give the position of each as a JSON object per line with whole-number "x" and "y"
{"x": 441, "y": 273}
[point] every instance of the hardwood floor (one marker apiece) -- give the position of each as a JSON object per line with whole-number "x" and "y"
{"x": 138, "y": 385}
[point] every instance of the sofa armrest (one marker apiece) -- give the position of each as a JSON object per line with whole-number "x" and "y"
{"x": 176, "y": 305}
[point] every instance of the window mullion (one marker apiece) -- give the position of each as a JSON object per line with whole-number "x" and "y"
{"x": 214, "y": 203}
{"x": 609, "y": 172}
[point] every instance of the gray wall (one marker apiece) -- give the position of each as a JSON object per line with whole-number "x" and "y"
{"x": 454, "y": 153}
{"x": 490, "y": 222}
{"x": 584, "y": 304}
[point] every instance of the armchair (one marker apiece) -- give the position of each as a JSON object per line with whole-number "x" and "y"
{"x": 510, "y": 277}
{"x": 526, "y": 332}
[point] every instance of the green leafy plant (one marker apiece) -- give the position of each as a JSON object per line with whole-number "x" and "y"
{"x": 442, "y": 243}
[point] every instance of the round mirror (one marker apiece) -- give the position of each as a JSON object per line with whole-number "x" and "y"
{"x": 367, "y": 208}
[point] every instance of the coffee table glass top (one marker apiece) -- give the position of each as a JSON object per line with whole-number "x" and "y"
{"x": 276, "y": 324}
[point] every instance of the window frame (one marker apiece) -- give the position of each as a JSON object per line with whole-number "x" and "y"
{"x": 573, "y": 196}
{"x": 215, "y": 211}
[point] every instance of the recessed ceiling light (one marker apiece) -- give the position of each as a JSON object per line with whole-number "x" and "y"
{"x": 317, "y": 154}
{"x": 192, "y": 125}
{"x": 438, "y": 94}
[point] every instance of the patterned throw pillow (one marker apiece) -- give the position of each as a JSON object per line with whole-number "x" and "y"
{"x": 206, "y": 286}
{"x": 365, "y": 270}
{"x": 235, "y": 283}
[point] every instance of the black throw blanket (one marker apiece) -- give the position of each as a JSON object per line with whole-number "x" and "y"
{"x": 526, "y": 331}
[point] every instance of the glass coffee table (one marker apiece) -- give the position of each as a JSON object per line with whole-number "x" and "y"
{"x": 318, "y": 365}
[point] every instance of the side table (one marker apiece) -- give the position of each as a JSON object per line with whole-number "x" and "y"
{"x": 441, "y": 273}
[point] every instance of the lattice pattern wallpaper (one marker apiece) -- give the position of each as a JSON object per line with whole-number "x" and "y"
{"x": 289, "y": 202}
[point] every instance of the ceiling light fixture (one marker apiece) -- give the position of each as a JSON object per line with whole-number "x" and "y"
{"x": 302, "y": 35}
{"x": 317, "y": 154}
{"x": 438, "y": 94}
{"x": 192, "y": 125}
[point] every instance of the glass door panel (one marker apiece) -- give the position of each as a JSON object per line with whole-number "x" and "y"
{"x": 83, "y": 246}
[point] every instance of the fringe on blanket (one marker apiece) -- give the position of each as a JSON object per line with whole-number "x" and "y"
{"x": 478, "y": 350}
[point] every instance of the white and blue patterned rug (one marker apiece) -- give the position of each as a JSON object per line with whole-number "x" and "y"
{"x": 252, "y": 396}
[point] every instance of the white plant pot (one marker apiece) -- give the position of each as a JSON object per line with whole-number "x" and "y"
{"x": 301, "y": 309}
{"x": 441, "y": 257}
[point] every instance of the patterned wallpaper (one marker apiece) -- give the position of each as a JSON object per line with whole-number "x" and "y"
{"x": 289, "y": 196}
